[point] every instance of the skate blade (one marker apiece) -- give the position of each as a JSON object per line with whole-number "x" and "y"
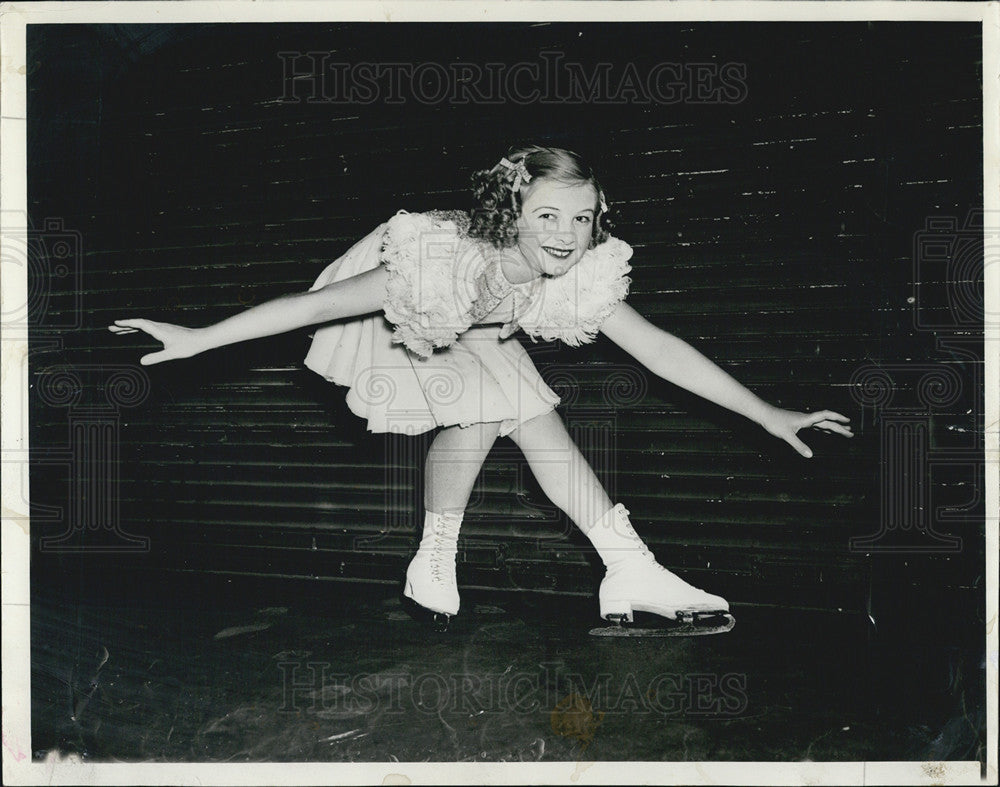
{"x": 693, "y": 625}
{"x": 438, "y": 621}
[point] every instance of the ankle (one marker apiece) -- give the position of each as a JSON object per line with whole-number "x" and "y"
{"x": 616, "y": 541}
{"x": 441, "y": 530}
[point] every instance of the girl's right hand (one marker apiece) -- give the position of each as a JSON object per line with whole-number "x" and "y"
{"x": 178, "y": 341}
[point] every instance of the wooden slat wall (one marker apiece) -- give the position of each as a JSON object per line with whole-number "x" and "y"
{"x": 775, "y": 234}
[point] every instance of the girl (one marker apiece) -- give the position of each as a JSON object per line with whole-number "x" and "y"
{"x": 417, "y": 324}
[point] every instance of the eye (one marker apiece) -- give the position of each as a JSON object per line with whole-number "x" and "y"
{"x": 584, "y": 219}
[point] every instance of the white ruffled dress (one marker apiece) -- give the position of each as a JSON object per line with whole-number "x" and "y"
{"x": 425, "y": 362}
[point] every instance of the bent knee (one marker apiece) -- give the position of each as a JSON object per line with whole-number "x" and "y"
{"x": 545, "y": 429}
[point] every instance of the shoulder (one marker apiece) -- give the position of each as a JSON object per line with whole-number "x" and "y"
{"x": 432, "y": 265}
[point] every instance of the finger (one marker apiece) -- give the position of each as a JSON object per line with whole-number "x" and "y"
{"x": 150, "y": 327}
{"x": 831, "y": 426}
{"x": 117, "y": 329}
{"x": 799, "y": 446}
{"x": 812, "y": 419}
{"x": 134, "y": 325}
{"x": 151, "y": 358}
{"x": 831, "y": 415}
{"x": 154, "y": 329}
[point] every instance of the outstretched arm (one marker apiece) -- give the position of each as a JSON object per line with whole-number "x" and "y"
{"x": 351, "y": 297}
{"x": 675, "y": 360}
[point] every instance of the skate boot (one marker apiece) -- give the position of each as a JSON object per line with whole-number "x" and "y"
{"x": 430, "y": 577}
{"x": 636, "y": 582}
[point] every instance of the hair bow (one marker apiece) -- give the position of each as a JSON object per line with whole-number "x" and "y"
{"x": 521, "y": 174}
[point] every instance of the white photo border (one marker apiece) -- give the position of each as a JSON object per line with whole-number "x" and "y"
{"x": 18, "y": 767}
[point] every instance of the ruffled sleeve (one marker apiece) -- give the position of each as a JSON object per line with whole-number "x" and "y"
{"x": 430, "y": 291}
{"x": 572, "y": 307}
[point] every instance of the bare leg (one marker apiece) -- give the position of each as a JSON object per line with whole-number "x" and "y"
{"x": 634, "y": 581}
{"x": 453, "y": 463}
{"x": 562, "y": 471}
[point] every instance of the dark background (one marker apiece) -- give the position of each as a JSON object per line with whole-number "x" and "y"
{"x": 784, "y": 235}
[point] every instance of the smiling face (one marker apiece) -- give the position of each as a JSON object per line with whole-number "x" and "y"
{"x": 555, "y": 226}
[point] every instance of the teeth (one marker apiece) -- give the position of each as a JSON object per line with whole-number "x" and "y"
{"x": 560, "y": 253}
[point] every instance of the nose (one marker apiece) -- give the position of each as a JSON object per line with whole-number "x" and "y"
{"x": 560, "y": 231}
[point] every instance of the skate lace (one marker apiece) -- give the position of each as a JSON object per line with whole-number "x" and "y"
{"x": 442, "y": 558}
{"x": 644, "y": 551}
{"x": 629, "y": 532}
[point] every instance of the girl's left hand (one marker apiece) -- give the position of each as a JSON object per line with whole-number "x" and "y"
{"x": 785, "y": 424}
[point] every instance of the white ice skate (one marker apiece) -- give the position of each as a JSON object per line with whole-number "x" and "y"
{"x": 635, "y": 582}
{"x": 430, "y": 577}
